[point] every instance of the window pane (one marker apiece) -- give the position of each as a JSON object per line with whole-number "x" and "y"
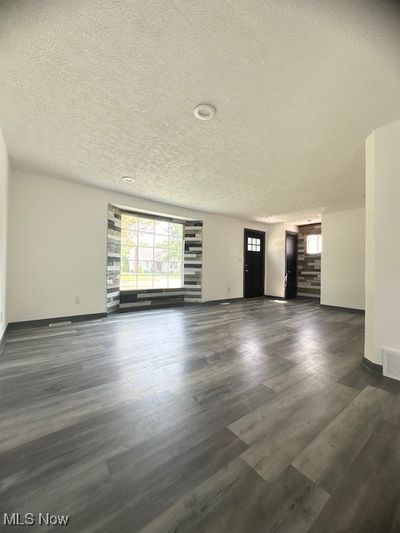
{"x": 161, "y": 241}
{"x": 129, "y": 222}
{"x": 146, "y": 239}
{"x": 145, "y": 281}
{"x": 128, "y": 259}
{"x": 145, "y": 267}
{"x": 161, "y": 227}
{"x": 146, "y": 224}
{"x": 161, "y": 282}
{"x": 175, "y": 267}
{"x": 145, "y": 254}
{"x": 129, "y": 236}
{"x": 175, "y": 250}
{"x": 132, "y": 267}
{"x": 160, "y": 254}
{"x": 176, "y": 231}
{"x": 314, "y": 244}
{"x": 129, "y": 252}
{"x": 160, "y": 267}
{"x": 128, "y": 281}
{"x": 174, "y": 281}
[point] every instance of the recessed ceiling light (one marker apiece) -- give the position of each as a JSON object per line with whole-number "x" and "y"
{"x": 128, "y": 179}
{"x": 204, "y": 111}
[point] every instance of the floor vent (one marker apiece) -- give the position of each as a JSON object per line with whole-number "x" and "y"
{"x": 391, "y": 363}
{"x": 57, "y": 324}
{"x": 225, "y": 303}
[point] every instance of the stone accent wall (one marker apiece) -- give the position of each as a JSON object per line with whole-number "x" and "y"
{"x": 113, "y": 257}
{"x": 151, "y": 298}
{"x": 308, "y": 265}
{"x": 193, "y": 260}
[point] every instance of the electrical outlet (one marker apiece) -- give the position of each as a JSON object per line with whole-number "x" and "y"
{"x": 1, "y": 317}
{"x": 228, "y": 290}
{"x": 77, "y": 300}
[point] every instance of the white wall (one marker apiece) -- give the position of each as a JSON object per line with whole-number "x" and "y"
{"x": 276, "y": 258}
{"x": 223, "y": 255}
{"x": 343, "y": 259}
{"x": 58, "y": 236}
{"x": 4, "y": 169}
{"x": 382, "y": 241}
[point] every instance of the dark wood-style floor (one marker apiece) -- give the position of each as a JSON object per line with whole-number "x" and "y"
{"x": 250, "y": 417}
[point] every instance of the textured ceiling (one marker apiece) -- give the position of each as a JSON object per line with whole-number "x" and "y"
{"x": 92, "y": 90}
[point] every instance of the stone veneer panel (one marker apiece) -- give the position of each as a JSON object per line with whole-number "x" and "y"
{"x": 146, "y": 298}
{"x": 308, "y": 265}
{"x": 113, "y": 257}
{"x": 193, "y": 260}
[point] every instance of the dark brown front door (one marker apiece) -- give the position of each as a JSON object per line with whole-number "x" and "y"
{"x": 254, "y": 258}
{"x": 291, "y": 265}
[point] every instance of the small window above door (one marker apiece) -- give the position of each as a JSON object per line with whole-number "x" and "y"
{"x": 253, "y": 244}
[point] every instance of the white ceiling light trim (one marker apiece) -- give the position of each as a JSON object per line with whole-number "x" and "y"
{"x": 128, "y": 179}
{"x": 204, "y": 111}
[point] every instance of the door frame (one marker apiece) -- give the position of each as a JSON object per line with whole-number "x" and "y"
{"x": 261, "y": 234}
{"x": 285, "y": 280}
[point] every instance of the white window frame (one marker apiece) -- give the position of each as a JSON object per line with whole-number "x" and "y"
{"x": 152, "y": 247}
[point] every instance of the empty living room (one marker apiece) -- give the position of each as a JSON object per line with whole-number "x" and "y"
{"x": 199, "y": 266}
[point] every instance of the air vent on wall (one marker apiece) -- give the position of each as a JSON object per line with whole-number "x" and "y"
{"x": 391, "y": 363}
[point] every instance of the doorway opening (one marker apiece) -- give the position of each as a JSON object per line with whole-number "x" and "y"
{"x": 254, "y": 263}
{"x": 309, "y": 249}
